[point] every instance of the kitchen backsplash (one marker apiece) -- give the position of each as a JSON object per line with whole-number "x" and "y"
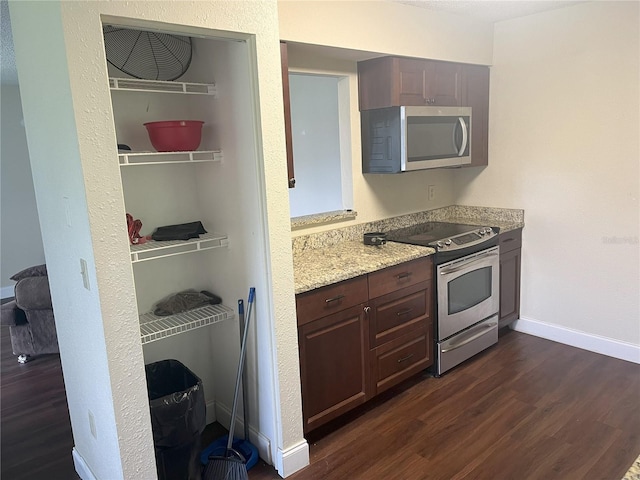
{"x": 505, "y": 218}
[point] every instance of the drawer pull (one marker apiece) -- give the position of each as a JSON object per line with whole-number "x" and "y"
{"x": 508, "y": 240}
{"x": 404, "y": 312}
{"x": 400, "y": 276}
{"x": 405, "y": 358}
{"x": 334, "y": 299}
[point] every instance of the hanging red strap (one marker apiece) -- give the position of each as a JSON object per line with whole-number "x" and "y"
{"x": 134, "y": 227}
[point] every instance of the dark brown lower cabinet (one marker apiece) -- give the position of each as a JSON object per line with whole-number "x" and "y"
{"x": 510, "y": 261}
{"x": 333, "y": 365}
{"x": 353, "y": 347}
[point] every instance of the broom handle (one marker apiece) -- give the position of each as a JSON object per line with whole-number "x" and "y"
{"x": 245, "y": 399}
{"x": 243, "y": 352}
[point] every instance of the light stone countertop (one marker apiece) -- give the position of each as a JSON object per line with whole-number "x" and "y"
{"x": 324, "y": 266}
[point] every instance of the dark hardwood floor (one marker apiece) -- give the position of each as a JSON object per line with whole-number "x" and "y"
{"x": 527, "y": 408}
{"x": 35, "y": 431}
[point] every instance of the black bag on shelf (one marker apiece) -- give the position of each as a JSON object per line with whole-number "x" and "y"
{"x": 182, "y": 231}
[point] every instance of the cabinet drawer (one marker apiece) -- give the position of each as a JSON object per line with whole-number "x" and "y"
{"x": 399, "y": 276}
{"x": 511, "y": 240}
{"x": 331, "y": 299}
{"x": 399, "y": 359}
{"x": 400, "y": 312}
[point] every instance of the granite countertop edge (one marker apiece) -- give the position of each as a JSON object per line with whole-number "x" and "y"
{"x": 349, "y": 259}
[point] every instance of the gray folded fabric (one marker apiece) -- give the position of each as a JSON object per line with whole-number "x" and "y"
{"x": 184, "y": 301}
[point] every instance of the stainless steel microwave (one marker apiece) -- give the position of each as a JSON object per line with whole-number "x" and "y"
{"x": 402, "y": 139}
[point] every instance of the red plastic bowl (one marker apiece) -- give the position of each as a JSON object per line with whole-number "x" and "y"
{"x": 175, "y": 135}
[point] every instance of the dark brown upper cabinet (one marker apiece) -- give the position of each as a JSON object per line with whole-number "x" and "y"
{"x": 395, "y": 81}
{"x": 476, "y": 96}
{"x": 291, "y": 178}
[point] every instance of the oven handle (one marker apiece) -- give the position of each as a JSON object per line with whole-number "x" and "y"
{"x": 489, "y": 326}
{"x": 462, "y": 267}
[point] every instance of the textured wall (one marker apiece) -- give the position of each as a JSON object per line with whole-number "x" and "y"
{"x": 563, "y": 145}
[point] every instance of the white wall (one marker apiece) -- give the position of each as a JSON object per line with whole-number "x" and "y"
{"x": 563, "y": 145}
{"x": 20, "y": 237}
{"x": 386, "y": 28}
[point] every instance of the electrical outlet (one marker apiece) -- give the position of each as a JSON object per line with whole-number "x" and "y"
{"x": 431, "y": 192}
{"x": 92, "y": 425}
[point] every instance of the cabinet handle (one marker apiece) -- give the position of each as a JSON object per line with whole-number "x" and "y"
{"x": 405, "y": 358}
{"x": 334, "y": 299}
{"x": 404, "y": 312}
{"x": 400, "y": 276}
{"x": 508, "y": 240}
{"x": 367, "y": 309}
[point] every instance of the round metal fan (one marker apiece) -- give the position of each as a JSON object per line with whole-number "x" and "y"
{"x": 147, "y": 55}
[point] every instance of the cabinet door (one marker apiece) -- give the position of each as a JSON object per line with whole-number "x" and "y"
{"x": 443, "y": 84}
{"x": 476, "y": 79}
{"x": 334, "y": 355}
{"x": 509, "y": 286}
{"x": 411, "y": 78}
{"x": 291, "y": 178}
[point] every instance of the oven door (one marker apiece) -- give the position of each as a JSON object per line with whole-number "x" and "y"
{"x": 468, "y": 291}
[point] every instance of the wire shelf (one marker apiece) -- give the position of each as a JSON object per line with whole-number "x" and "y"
{"x": 152, "y": 249}
{"x": 161, "y": 86}
{"x": 159, "y": 158}
{"x": 153, "y": 327}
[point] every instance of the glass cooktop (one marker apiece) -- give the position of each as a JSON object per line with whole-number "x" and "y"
{"x": 429, "y": 233}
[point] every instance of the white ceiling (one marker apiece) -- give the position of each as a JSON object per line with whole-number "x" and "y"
{"x": 484, "y": 10}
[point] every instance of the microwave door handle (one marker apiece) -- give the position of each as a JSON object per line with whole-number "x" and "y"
{"x": 465, "y": 135}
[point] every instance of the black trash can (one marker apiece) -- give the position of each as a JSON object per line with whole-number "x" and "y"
{"x": 178, "y": 417}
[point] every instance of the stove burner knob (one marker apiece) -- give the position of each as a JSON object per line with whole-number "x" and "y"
{"x": 481, "y": 232}
{"x": 447, "y": 242}
{"x": 439, "y": 245}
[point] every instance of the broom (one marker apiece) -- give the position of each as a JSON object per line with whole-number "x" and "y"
{"x": 231, "y": 465}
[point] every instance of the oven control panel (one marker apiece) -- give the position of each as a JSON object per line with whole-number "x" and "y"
{"x": 465, "y": 240}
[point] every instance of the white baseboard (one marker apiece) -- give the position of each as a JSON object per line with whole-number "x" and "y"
{"x": 262, "y": 443}
{"x": 82, "y": 469}
{"x": 292, "y": 459}
{"x": 7, "y": 292}
{"x": 586, "y": 341}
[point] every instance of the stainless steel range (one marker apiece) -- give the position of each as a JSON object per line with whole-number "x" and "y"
{"x": 466, "y": 287}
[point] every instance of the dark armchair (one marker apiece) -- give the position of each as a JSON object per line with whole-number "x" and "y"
{"x": 30, "y": 315}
